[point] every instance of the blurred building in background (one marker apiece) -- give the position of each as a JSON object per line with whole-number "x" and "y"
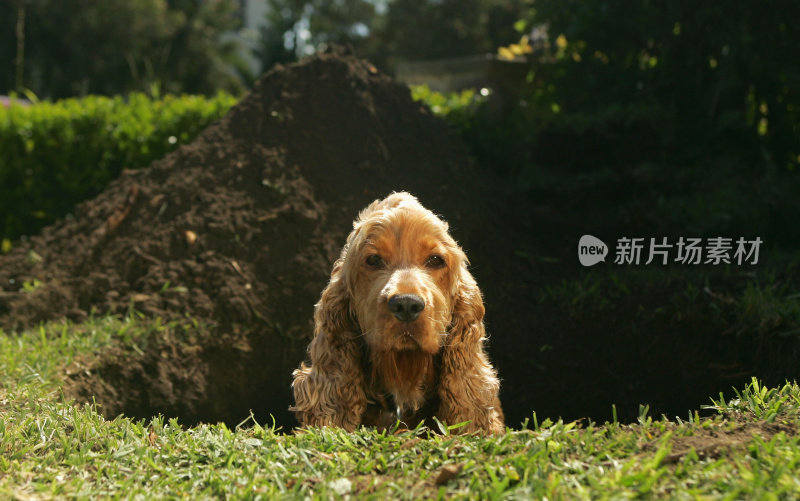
{"x": 253, "y": 14}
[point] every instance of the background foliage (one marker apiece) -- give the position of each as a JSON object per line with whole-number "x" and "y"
{"x": 684, "y": 116}
{"x": 75, "y": 47}
{"x": 699, "y": 80}
{"x": 389, "y": 32}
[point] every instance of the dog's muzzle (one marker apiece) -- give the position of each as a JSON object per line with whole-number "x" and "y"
{"x": 406, "y": 307}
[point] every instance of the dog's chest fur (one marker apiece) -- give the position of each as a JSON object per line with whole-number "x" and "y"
{"x": 402, "y": 386}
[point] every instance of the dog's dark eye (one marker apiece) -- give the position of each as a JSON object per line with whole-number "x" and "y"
{"x": 375, "y": 261}
{"x": 435, "y": 261}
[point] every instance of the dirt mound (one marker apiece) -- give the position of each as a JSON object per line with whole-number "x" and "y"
{"x": 233, "y": 226}
{"x": 238, "y": 229}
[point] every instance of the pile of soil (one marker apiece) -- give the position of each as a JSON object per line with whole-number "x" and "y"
{"x": 237, "y": 229}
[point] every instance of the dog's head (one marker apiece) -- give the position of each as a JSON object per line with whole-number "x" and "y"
{"x": 402, "y": 270}
{"x": 403, "y": 316}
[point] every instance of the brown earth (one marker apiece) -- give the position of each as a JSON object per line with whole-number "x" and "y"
{"x": 711, "y": 443}
{"x": 239, "y": 229}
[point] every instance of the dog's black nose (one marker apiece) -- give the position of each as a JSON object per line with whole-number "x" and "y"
{"x": 406, "y": 307}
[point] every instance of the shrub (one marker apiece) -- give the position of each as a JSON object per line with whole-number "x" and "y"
{"x": 57, "y": 154}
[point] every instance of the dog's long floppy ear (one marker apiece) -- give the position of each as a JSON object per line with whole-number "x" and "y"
{"x": 332, "y": 313}
{"x": 330, "y": 391}
{"x": 468, "y": 387}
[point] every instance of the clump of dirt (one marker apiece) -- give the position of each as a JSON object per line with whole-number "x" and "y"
{"x": 713, "y": 442}
{"x": 238, "y": 229}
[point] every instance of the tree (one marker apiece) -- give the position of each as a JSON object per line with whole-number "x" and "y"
{"x": 201, "y": 59}
{"x": 78, "y": 47}
{"x": 398, "y": 30}
{"x": 426, "y": 29}
{"x": 297, "y": 28}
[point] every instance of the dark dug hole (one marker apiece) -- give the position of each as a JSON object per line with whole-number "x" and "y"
{"x": 239, "y": 230}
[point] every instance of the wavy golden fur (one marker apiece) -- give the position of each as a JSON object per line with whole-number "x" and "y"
{"x": 399, "y": 330}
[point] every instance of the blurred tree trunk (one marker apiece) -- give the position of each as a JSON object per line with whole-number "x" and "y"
{"x": 19, "y": 61}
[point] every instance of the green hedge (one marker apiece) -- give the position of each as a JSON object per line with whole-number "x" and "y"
{"x": 54, "y": 155}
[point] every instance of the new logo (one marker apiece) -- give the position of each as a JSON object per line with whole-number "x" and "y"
{"x": 591, "y": 250}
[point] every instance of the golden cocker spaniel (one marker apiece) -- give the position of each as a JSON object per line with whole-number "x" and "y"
{"x": 399, "y": 330}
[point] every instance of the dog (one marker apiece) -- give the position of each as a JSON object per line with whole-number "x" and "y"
{"x": 399, "y": 331}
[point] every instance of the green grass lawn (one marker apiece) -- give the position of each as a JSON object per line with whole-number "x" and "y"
{"x": 53, "y": 449}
